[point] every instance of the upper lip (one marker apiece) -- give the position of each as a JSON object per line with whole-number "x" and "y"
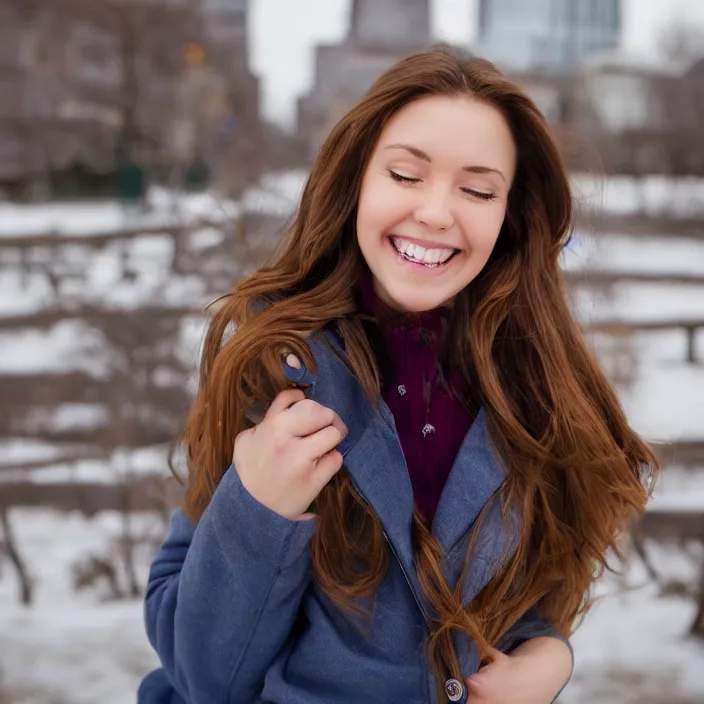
{"x": 426, "y": 244}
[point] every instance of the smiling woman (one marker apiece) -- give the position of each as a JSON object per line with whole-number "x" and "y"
{"x": 443, "y": 467}
{"x": 433, "y": 199}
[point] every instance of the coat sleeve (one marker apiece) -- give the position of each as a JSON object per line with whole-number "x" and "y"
{"x": 531, "y": 625}
{"x": 223, "y": 597}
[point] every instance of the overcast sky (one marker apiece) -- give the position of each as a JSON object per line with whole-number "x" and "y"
{"x": 285, "y": 32}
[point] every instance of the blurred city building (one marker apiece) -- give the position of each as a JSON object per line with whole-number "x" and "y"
{"x": 549, "y": 34}
{"x": 86, "y": 86}
{"x": 381, "y": 31}
{"x": 217, "y": 118}
{"x": 632, "y": 118}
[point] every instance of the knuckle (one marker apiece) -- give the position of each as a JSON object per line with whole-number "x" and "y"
{"x": 305, "y": 404}
{"x": 278, "y": 439}
{"x": 241, "y": 438}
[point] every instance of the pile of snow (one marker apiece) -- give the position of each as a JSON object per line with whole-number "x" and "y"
{"x": 678, "y": 197}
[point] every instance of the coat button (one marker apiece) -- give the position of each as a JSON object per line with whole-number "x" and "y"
{"x": 456, "y": 691}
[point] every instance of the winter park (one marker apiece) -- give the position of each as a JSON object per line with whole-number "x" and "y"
{"x": 142, "y": 175}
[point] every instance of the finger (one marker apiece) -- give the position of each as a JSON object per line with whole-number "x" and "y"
{"x": 284, "y": 400}
{"x": 310, "y": 417}
{"x": 318, "y": 444}
{"x": 327, "y": 467}
{"x": 494, "y": 657}
{"x": 497, "y": 655}
{"x": 476, "y": 688}
{"x": 340, "y": 426}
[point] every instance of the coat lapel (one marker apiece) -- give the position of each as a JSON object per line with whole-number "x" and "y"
{"x": 373, "y": 455}
{"x": 475, "y": 477}
{"x": 376, "y": 465}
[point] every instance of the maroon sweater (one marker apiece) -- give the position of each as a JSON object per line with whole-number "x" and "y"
{"x": 431, "y": 425}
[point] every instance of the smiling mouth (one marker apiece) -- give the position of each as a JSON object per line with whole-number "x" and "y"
{"x": 429, "y": 258}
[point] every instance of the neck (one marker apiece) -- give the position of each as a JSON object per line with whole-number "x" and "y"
{"x": 387, "y": 317}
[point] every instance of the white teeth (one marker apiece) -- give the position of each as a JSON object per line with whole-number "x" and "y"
{"x": 416, "y": 253}
{"x": 401, "y": 245}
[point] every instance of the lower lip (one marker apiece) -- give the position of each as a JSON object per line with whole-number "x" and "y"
{"x": 420, "y": 267}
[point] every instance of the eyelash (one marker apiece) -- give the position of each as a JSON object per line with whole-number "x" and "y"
{"x": 407, "y": 179}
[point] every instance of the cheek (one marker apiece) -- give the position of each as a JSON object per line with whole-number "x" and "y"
{"x": 380, "y": 207}
{"x": 482, "y": 228}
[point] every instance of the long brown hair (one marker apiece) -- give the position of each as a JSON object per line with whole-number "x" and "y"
{"x": 573, "y": 463}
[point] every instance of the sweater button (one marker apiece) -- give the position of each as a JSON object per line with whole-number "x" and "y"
{"x": 456, "y": 691}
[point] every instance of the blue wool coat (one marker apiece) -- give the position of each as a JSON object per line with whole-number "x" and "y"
{"x": 236, "y": 618}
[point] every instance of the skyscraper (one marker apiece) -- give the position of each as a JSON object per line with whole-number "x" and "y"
{"x": 552, "y": 34}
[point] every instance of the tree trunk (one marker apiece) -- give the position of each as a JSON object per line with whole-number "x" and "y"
{"x": 10, "y": 546}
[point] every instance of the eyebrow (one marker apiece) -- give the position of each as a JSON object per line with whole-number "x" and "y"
{"x": 420, "y": 154}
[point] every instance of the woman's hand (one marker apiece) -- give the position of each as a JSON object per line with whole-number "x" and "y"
{"x": 285, "y": 461}
{"x": 533, "y": 674}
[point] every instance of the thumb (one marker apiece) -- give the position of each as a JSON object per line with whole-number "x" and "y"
{"x": 475, "y": 688}
{"x": 494, "y": 656}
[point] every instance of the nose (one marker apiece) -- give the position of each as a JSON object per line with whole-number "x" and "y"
{"x": 434, "y": 210}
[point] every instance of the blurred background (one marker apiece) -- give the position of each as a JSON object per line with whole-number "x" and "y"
{"x": 150, "y": 154}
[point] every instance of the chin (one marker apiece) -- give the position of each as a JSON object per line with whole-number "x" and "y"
{"x": 417, "y": 305}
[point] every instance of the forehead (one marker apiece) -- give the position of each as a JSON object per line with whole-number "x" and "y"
{"x": 452, "y": 130}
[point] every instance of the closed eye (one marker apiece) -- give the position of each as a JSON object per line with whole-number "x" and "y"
{"x": 402, "y": 179}
{"x": 478, "y": 194}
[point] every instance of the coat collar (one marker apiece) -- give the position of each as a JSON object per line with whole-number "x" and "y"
{"x": 377, "y": 468}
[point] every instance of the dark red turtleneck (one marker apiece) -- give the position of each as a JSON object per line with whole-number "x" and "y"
{"x": 431, "y": 425}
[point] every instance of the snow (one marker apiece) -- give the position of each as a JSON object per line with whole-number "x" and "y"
{"x": 650, "y": 195}
{"x": 162, "y": 207}
{"x": 112, "y": 467}
{"x": 679, "y": 489}
{"x": 67, "y": 346}
{"x": 641, "y": 302}
{"x": 631, "y": 649}
{"x": 76, "y": 648}
{"x": 666, "y": 402}
{"x": 19, "y": 450}
{"x": 70, "y": 648}
{"x": 634, "y": 254}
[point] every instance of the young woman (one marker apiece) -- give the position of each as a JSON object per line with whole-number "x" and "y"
{"x": 441, "y": 467}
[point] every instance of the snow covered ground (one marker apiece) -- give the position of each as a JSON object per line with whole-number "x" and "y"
{"x": 69, "y": 648}
{"x": 76, "y": 648}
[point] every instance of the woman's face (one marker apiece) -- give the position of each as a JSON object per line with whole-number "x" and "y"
{"x": 433, "y": 199}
